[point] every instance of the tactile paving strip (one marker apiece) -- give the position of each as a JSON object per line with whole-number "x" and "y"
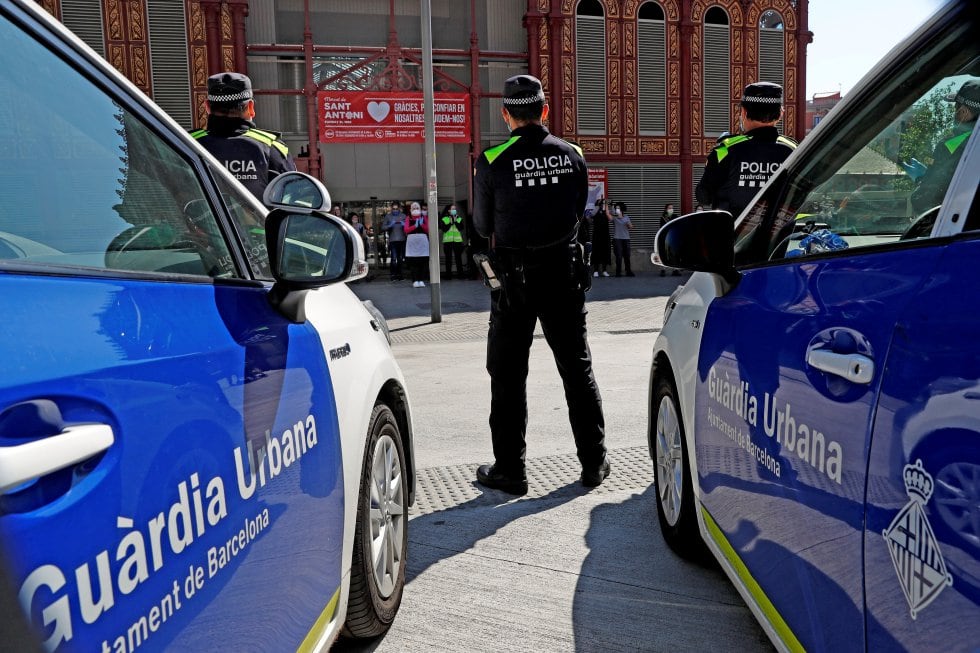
{"x": 441, "y": 488}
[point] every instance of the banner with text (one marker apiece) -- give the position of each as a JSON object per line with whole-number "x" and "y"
{"x": 379, "y": 117}
{"x": 597, "y": 187}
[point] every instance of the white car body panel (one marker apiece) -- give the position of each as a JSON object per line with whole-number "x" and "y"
{"x": 342, "y": 321}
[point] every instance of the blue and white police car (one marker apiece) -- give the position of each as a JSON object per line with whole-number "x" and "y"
{"x": 815, "y": 390}
{"x": 205, "y": 441}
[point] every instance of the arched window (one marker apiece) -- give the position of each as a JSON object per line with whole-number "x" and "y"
{"x": 771, "y": 47}
{"x": 652, "y": 69}
{"x": 717, "y": 72}
{"x": 590, "y": 67}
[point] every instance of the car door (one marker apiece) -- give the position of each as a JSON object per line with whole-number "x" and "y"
{"x": 832, "y": 256}
{"x": 922, "y": 540}
{"x": 171, "y": 473}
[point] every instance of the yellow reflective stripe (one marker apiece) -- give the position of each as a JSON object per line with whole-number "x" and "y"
{"x": 267, "y": 139}
{"x": 722, "y": 149}
{"x": 956, "y": 141}
{"x": 270, "y": 135}
{"x": 320, "y": 625}
{"x": 261, "y": 137}
{"x": 496, "y": 151}
{"x": 787, "y": 141}
{"x": 281, "y": 147}
{"x": 782, "y": 629}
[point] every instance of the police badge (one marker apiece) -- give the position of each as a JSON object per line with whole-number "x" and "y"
{"x": 915, "y": 553}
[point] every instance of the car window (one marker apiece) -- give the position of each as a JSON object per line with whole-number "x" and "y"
{"x": 882, "y": 176}
{"x": 87, "y": 183}
{"x": 249, "y": 221}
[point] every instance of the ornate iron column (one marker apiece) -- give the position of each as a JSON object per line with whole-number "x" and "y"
{"x": 212, "y": 26}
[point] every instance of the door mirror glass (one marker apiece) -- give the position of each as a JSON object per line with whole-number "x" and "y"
{"x": 702, "y": 241}
{"x": 296, "y": 190}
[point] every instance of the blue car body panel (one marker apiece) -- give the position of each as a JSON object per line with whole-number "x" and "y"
{"x": 922, "y": 539}
{"x": 217, "y": 513}
{"x": 782, "y": 447}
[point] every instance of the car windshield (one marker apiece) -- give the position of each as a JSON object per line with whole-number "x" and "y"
{"x": 881, "y": 169}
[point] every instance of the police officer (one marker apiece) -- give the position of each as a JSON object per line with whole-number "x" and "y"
{"x": 529, "y": 194}
{"x": 253, "y": 155}
{"x": 934, "y": 181}
{"x": 740, "y": 165}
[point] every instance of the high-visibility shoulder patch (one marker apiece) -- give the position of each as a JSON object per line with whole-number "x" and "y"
{"x": 786, "y": 140}
{"x": 199, "y": 133}
{"x": 267, "y": 138}
{"x": 721, "y": 150}
{"x": 261, "y": 137}
{"x": 273, "y": 135}
{"x": 493, "y": 152}
{"x": 954, "y": 143}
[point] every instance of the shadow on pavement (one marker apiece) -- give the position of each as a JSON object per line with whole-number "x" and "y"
{"x": 654, "y": 601}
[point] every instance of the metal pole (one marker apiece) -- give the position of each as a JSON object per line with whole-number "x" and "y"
{"x": 432, "y": 196}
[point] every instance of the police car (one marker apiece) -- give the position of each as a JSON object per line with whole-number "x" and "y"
{"x": 815, "y": 390}
{"x": 205, "y": 441}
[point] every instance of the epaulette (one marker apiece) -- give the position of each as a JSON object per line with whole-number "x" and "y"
{"x": 492, "y": 153}
{"x": 786, "y": 140}
{"x": 267, "y": 138}
{"x": 721, "y": 149}
{"x": 199, "y": 133}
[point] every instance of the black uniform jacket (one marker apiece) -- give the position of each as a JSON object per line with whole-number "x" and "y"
{"x": 253, "y": 155}
{"x": 529, "y": 191}
{"x": 739, "y": 166}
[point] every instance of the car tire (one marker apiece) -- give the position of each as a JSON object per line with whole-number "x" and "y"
{"x": 672, "y": 476}
{"x": 381, "y": 532}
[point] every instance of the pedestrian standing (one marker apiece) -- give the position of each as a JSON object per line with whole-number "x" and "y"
{"x": 740, "y": 165}
{"x": 621, "y": 238}
{"x": 394, "y": 226}
{"x": 529, "y": 194}
{"x": 417, "y": 244}
{"x": 251, "y": 154}
{"x": 600, "y": 256}
{"x": 668, "y": 215}
{"x": 451, "y": 226}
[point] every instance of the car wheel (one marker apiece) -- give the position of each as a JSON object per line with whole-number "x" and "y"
{"x": 672, "y": 477}
{"x": 381, "y": 534}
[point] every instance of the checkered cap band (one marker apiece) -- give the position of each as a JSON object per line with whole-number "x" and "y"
{"x": 973, "y": 104}
{"x": 763, "y": 100}
{"x": 236, "y": 97}
{"x": 525, "y": 100}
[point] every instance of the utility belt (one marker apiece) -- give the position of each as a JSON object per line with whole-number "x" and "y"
{"x": 564, "y": 259}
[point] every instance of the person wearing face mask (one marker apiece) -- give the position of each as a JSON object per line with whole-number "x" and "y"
{"x": 417, "y": 244}
{"x": 738, "y": 166}
{"x": 394, "y": 226}
{"x": 622, "y": 225}
{"x": 529, "y": 195}
{"x": 451, "y": 226}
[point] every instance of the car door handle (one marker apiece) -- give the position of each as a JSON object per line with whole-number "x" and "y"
{"x": 25, "y": 462}
{"x": 853, "y": 367}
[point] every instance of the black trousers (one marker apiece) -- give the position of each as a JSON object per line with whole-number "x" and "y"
{"x": 453, "y": 251}
{"x": 545, "y": 294}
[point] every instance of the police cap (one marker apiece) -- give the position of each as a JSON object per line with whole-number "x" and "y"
{"x": 523, "y": 89}
{"x": 968, "y": 95}
{"x": 229, "y": 88}
{"x": 762, "y": 95}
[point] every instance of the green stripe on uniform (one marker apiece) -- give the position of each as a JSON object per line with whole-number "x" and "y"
{"x": 722, "y": 149}
{"x": 782, "y": 629}
{"x": 200, "y": 133}
{"x": 497, "y": 150}
{"x": 953, "y": 143}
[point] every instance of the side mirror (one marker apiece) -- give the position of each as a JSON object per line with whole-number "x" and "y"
{"x": 296, "y": 190}
{"x": 309, "y": 250}
{"x": 702, "y": 241}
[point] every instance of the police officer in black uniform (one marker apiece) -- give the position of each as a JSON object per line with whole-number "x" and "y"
{"x": 253, "y": 155}
{"x": 740, "y": 165}
{"x": 529, "y": 194}
{"x": 933, "y": 184}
